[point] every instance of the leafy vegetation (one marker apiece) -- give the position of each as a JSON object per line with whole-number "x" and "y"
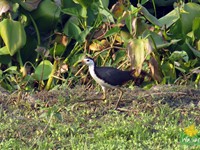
{"x": 42, "y": 42}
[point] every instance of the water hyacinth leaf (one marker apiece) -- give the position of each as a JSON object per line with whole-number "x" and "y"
{"x": 13, "y": 35}
{"x": 4, "y": 51}
{"x": 83, "y": 35}
{"x": 73, "y": 11}
{"x": 107, "y": 16}
{"x": 84, "y": 3}
{"x": 30, "y": 5}
{"x": 12, "y": 68}
{"x": 168, "y": 71}
{"x": 158, "y": 40}
{"x": 179, "y": 55}
{"x": 192, "y": 11}
{"x": 138, "y": 50}
{"x": 196, "y": 52}
{"x": 57, "y": 50}
{"x": 43, "y": 70}
{"x": 139, "y": 26}
{"x": 46, "y": 15}
{"x": 196, "y": 27}
{"x": 112, "y": 31}
{"x": 4, "y": 6}
{"x": 182, "y": 26}
{"x": 170, "y": 18}
{"x": 148, "y": 16}
{"x": 72, "y": 30}
{"x": 105, "y": 3}
{"x": 119, "y": 57}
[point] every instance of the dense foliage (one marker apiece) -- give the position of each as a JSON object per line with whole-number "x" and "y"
{"x": 42, "y": 42}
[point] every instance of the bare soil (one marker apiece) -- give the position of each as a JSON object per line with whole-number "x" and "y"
{"x": 132, "y": 100}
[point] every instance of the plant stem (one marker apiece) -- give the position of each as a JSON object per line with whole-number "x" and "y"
{"x": 49, "y": 82}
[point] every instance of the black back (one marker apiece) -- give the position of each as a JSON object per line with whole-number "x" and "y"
{"x": 113, "y": 76}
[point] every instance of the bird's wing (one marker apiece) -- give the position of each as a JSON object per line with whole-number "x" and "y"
{"x": 113, "y": 76}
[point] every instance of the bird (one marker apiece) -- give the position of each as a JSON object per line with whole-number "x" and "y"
{"x": 108, "y": 77}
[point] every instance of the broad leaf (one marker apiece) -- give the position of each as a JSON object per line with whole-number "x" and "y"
{"x": 148, "y": 16}
{"x": 46, "y": 15}
{"x": 138, "y": 50}
{"x": 73, "y": 11}
{"x": 192, "y": 11}
{"x": 72, "y": 30}
{"x": 158, "y": 40}
{"x": 84, "y": 3}
{"x": 196, "y": 52}
{"x": 196, "y": 27}
{"x": 43, "y": 70}
{"x": 112, "y": 31}
{"x": 30, "y": 5}
{"x": 13, "y": 35}
{"x": 169, "y": 72}
{"x": 179, "y": 55}
{"x": 170, "y": 18}
{"x": 12, "y": 68}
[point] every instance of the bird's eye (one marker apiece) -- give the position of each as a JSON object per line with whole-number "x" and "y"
{"x": 87, "y": 60}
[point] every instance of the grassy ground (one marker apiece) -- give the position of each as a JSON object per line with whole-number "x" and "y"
{"x": 152, "y": 119}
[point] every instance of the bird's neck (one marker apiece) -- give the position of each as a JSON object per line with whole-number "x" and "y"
{"x": 91, "y": 68}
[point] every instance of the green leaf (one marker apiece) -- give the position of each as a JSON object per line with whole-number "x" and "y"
{"x": 119, "y": 56}
{"x": 72, "y": 30}
{"x": 46, "y": 15}
{"x": 58, "y": 49}
{"x": 192, "y": 11}
{"x": 138, "y": 50}
{"x": 13, "y": 35}
{"x": 148, "y": 16}
{"x": 30, "y": 5}
{"x": 196, "y": 27}
{"x": 170, "y": 18}
{"x": 76, "y": 11}
{"x": 43, "y": 70}
{"x": 169, "y": 72}
{"x": 178, "y": 55}
{"x": 73, "y": 11}
{"x": 12, "y": 68}
{"x": 4, "y": 51}
{"x": 196, "y": 52}
{"x": 83, "y": 35}
{"x": 158, "y": 40}
{"x": 84, "y": 3}
{"x": 73, "y": 61}
{"x": 112, "y": 31}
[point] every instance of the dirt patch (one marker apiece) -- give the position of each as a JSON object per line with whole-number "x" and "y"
{"x": 173, "y": 95}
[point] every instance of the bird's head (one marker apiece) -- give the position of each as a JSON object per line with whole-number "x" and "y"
{"x": 88, "y": 61}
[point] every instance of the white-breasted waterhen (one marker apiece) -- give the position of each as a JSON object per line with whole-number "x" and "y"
{"x": 108, "y": 77}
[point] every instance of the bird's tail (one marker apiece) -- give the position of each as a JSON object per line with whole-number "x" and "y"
{"x": 139, "y": 79}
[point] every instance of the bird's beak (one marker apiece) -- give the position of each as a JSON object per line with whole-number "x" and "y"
{"x": 83, "y": 61}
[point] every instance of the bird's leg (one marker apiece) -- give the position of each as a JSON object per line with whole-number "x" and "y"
{"x": 120, "y": 96}
{"x": 104, "y": 93}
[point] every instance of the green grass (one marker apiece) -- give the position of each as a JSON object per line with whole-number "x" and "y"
{"x": 94, "y": 126}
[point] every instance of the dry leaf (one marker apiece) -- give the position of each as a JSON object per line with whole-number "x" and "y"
{"x": 98, "y": 46}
